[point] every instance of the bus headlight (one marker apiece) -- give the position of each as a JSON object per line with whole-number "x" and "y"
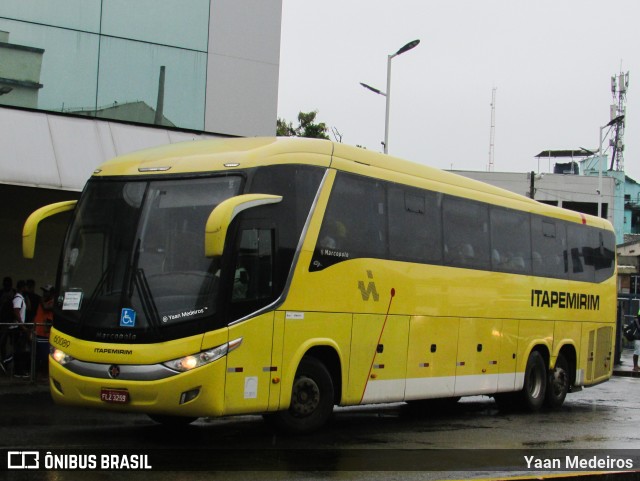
{"x": 60, "y": 357}
{"x": 192, "y": 361}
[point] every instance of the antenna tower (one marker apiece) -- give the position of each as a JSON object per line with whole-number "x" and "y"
{"x": 619, "y": 87}
{"x": 492, "y": 133}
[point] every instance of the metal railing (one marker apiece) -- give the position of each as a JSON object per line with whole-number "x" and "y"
{"x": 33, "y": 343}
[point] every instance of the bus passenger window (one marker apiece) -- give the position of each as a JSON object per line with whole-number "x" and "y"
{"x": 580, "y": 239}
{"x": 414, "y": 225}
{"x": 333, "y": 234}
{"x": 549, "y": 244}
{"x": 604, "y": 256}
{"x": 354, "y": 224}
{"x": 466, "y": 233}
{"x": 510, "y": 241}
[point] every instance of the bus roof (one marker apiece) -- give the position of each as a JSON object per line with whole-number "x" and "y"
{"x": 240, "y": 153}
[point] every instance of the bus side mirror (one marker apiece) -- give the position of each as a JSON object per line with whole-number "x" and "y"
{"x": 30, "y": 228}
{"x": 222, "y": 215}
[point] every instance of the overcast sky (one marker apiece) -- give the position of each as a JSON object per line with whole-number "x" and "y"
{"x": 551, "y": 62}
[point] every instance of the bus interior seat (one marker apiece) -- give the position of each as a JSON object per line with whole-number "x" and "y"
{"x": 495, "y": 257}
{"x": 466, "y": 252}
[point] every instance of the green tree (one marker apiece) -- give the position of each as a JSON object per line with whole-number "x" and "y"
{"x": 307, "y": 127}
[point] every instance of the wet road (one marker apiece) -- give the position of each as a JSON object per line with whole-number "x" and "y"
{"x": 387, "y": 437}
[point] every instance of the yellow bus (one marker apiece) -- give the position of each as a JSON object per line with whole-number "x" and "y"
{"x": 287, "y": 276}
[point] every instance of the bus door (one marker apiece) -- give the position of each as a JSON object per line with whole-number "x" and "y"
{"x": 378, "y": 364}
{"x": 507, "y": 362}
{"x": 249, "y": 367}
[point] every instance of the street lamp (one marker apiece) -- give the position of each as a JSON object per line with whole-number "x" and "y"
{"x": 387, "y": 94}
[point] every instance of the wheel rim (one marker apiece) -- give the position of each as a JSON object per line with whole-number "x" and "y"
{"x": 305, "y": 397}
{"x": 559, "y": 382}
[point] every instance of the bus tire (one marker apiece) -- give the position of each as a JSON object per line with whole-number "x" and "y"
{"x": 557, "y": 384}
{"x": 533, "y": 392}
{"x": 312, "y": 397}
{"x": 167, "y": 420}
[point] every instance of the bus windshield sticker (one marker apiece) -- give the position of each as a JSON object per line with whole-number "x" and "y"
{"x": 72, "y": 301}
{"x": 183, "y": 314}
{"x": 128, "y": 318}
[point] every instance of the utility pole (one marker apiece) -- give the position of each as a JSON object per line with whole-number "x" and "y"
{"x": 492, "y": 132}
{"x": 532, "y": 188}
{"x": 160, "y": 103}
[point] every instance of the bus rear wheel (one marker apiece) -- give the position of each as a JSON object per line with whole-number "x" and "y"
{"x": 312, "y": 398}
{"x": 557, "y": 384}
{"x": 533, "y": 392}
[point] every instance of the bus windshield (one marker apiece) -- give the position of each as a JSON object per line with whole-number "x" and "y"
{"x": 134, "y": 257}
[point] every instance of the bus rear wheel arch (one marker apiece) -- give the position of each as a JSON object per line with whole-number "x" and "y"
{"x": 312, "y": 399}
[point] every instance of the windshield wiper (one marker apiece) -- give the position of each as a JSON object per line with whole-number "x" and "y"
{"x": 139, "y": 281}
{"x": 146, "y": 298}
{"x": 89, "y": 307}
{"x": 133, "y": 267}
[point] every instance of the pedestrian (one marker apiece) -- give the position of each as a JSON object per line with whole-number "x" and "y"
{"x": 33, "y": 300}
{"x": 636, "y": 344}
{"x": 8, "y": 330}
{"x": 42, "y": 320}
{"x": 21, "y": 342}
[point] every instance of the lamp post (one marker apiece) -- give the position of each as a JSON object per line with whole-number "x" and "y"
{"x": 387, "y": 94}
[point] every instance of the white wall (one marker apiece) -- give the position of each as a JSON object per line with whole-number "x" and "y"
{"x": 243, "y": 67}
{"x": 553, "y": 187}
{"x": 40, "y": 149}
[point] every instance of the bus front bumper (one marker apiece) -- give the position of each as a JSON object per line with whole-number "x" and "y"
{"x": 196, "y": 393}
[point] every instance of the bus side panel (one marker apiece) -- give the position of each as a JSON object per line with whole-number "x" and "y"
{"x": 378, "y": 369}
{"x": 566, "y": 333}
{"x": 276, "y": 361}
{"x": 508, "y": 355}
{"x": 249, "y": 369}
{"x": 433, "y": 345}
{"x": 306, "y": 330}
{"x": 478, "y": 356}
{"x": 532, "y": 333}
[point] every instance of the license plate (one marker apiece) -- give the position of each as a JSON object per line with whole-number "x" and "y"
{"x": 115, "y": 396}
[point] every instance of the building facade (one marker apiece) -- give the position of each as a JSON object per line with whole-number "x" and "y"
{"x": 608, "y": 194}
{"x": 207, "y": 65}
{"x": 82, "y": 81}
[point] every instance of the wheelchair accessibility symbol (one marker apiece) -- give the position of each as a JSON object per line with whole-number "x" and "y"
{"x": 128, "y": 318}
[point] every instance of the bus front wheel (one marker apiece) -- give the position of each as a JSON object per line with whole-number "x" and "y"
{"x": 534, "y": 390}
{"x": 311, "y": 399}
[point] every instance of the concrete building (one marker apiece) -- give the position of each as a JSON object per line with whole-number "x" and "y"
{"x": 19, "y": 73}
{"x": 82, "y": 81}
{"x": 578, "y": 186}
